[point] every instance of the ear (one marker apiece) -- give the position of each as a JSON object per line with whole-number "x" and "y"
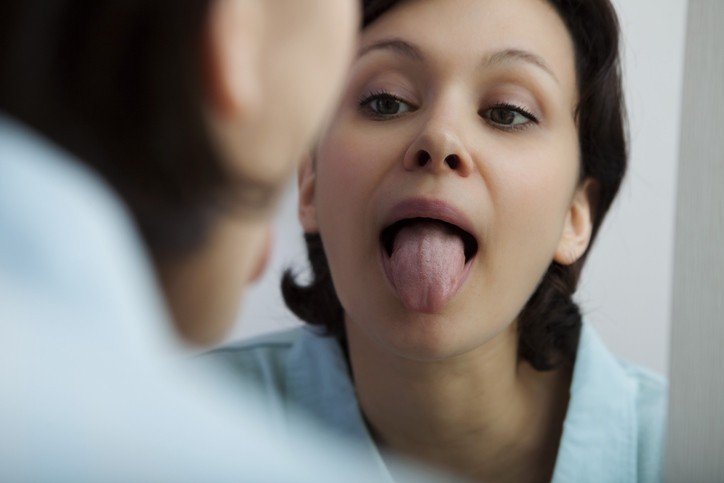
{"x": 578, "y": 225}
{"x": 307, "y": 207}
{"x": 233, "y": 52}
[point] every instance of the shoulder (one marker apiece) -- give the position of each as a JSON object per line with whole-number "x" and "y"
{"x": 651, "y": 401}
{"x": 68, "y": 241}
{"x": 273, "y": 362}
{"x": 297, "y": 369}
{"x": 261, "y": 358}
{"x": 651, "y": 388}
{"x": 616, "y": 417}
{"x": 77, "y": 231}
{"x": 642, "y": 389}
{"x": 29, "y": 160}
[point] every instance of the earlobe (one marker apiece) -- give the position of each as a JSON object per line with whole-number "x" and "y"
{"x": 233, "y": 51}
{"x": 578, "y": 225}
{"x": 307, "y": 208}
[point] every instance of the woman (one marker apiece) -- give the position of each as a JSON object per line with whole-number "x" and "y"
{"x": 143, "y": 145}
{"x": 448, "y": 212}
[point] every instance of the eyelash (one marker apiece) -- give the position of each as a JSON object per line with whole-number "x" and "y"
{"x": 366, "y": 99}
{"x": 511, "y": 107}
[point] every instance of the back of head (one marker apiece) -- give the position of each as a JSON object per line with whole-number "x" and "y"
{"x": 117, "y": 84}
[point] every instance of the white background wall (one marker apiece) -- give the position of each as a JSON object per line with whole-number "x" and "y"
{"x": 625, "y": 290}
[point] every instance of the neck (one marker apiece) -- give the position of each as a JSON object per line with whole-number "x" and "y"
{"x": 205, "y": 288}
{"x": 484, "y": 414}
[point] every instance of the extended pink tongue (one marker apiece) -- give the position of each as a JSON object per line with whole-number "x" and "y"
{"x": 426, "y": 266}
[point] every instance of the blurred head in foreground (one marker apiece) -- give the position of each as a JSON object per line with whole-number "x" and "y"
{"x": 194, "y": 111}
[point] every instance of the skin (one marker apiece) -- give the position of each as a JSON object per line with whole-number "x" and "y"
{"x": 485, "y": 92}
{"x": 272, "y": 81}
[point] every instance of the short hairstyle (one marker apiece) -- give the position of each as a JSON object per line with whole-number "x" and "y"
{"x": 119, "y": 84}
{"x": 550, "y": 322}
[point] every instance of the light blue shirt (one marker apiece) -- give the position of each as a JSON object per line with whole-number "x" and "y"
{"x": 91, "y": 387}
{"x": 613, "y": 430}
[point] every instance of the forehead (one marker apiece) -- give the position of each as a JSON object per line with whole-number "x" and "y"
{"x": 454, "y": 34}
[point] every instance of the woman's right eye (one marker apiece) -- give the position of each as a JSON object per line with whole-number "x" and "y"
{"x": 383, "y": 105}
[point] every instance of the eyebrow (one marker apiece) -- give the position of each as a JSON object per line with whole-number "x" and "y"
{"x": 412, "y": 52}
{"x": 517, "y": 55}
{"x": 398, "y": 46}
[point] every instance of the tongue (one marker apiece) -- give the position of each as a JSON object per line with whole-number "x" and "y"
{"x": 426, "y": 266}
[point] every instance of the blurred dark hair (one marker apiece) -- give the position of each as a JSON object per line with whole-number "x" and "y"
{"x": 549, "y": 325}
{"x": 118, "y": 83}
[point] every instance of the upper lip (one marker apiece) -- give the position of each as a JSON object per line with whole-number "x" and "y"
{"x": 433, "y": 209}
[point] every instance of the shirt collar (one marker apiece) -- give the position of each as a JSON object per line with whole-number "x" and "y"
{"x": 599, "y": 433}
{"x": 319, "y": 382}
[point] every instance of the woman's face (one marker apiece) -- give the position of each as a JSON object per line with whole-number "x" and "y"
{"x": 460, "y": 112}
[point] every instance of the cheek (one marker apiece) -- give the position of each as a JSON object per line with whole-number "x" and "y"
{"x": 543, "y": 196}
{"x": 340, "y": 165}
{"x": 351, "y": 165}
{"x": 533, "y": 198}
{"x": 350, "y": 170}
{"x": 530, "y": 197}
{"x": 341, "y": 191}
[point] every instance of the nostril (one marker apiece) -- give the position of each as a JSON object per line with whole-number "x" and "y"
{"x": 453, "y": 161}
{"x": 422, "y": 158}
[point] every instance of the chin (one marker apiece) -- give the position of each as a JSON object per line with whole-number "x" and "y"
{"x": 429, "y": 337}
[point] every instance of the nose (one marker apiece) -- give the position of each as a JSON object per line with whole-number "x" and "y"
{"x": 438, "y": 149}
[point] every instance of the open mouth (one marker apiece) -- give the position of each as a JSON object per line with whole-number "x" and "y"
{"x": 388, "y": 235}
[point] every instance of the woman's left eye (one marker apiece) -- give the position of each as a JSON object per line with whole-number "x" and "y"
{"x": 507, "y": 116}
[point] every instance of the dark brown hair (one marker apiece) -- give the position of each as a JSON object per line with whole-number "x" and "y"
{"x": 119, "y": 83}
{"x": 549, "y": 325}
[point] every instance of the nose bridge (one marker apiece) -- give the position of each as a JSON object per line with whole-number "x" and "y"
{"x": 439, "y": 145}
